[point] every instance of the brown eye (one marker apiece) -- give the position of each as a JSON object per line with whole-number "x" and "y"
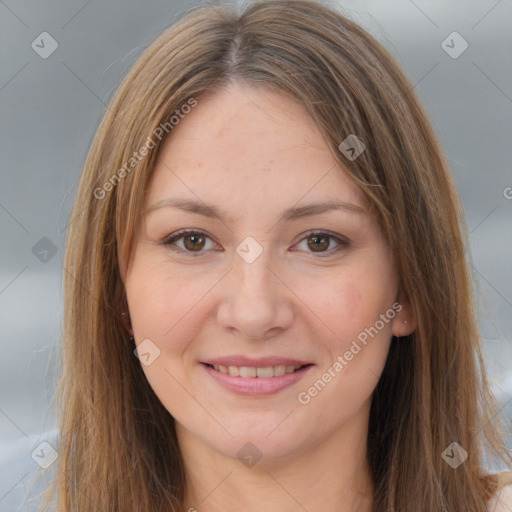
{"x": 318, "y": 243}
{"x": 190, "y": 242}
{"x": 322, "y": 243}
{"x": 194, "y": 242}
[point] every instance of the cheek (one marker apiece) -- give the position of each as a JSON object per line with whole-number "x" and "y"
{"x": 357, "y": 344}
{"x": 165, "y": 309}
{"x": 358, "y": 339}
{"x": 172, "y": 309}
{"x": 162, "y": 305}
{"x": 349, "y": 303}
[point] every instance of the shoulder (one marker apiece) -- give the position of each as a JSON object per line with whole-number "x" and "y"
{"x": 502, "y": 500}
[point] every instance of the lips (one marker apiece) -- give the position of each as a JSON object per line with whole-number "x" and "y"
{"x": 241, "y": 366}
{"x": 256, "y": 377}
{"x": 256, "y": 371}
{"x": 253, "y": 385}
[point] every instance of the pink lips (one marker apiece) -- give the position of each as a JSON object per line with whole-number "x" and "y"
{"x": 256, "y": 386}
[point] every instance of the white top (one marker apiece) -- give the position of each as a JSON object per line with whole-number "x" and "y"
{"x": 502, "y": 501}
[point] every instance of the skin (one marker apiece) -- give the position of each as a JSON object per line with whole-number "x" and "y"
{"x": 253, "y": 153}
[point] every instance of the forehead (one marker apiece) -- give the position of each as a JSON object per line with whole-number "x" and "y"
{"x": 254, "y": 143}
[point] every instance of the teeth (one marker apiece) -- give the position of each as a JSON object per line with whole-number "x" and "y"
{"x": 265, "y": 372}
{"x": 279, "y": 370}
{"x": 248, "y": 372}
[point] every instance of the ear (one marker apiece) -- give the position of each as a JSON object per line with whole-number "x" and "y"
{"x": 121, "y": 265}
{"x": 121, "y": 289}
{"x": 405, "y": 321}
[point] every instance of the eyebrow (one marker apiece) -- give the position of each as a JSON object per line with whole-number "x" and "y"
{"x": 294, "y": 213}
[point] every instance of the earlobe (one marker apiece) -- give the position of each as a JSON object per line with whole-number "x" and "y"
{"x": 127, "y": 321}
{"x": 404, "y": 322}
{"x": 122, "y": 269}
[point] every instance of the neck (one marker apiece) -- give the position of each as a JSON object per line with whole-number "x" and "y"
{"x": 332, "y": 475}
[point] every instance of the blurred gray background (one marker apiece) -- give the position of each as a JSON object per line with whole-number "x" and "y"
{"x": 61, "y": 63}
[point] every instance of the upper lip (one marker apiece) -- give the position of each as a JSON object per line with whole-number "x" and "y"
{"x": 260, "y": 362}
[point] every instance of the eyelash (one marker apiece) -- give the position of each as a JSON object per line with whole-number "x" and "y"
{"x": 174, "y": 237}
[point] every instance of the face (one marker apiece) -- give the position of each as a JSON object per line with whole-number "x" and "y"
{"x": 257, "y": 257}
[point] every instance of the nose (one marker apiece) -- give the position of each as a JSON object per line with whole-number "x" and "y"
{"x": 256, "y": 304}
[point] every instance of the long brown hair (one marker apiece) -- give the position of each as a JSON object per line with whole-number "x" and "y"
{"x": 118, "y": 449}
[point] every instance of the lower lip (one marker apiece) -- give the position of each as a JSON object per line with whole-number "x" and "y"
{"x": 257, "y": 386}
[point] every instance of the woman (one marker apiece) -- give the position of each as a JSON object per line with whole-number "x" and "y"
{"x": 267, "y": 304}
